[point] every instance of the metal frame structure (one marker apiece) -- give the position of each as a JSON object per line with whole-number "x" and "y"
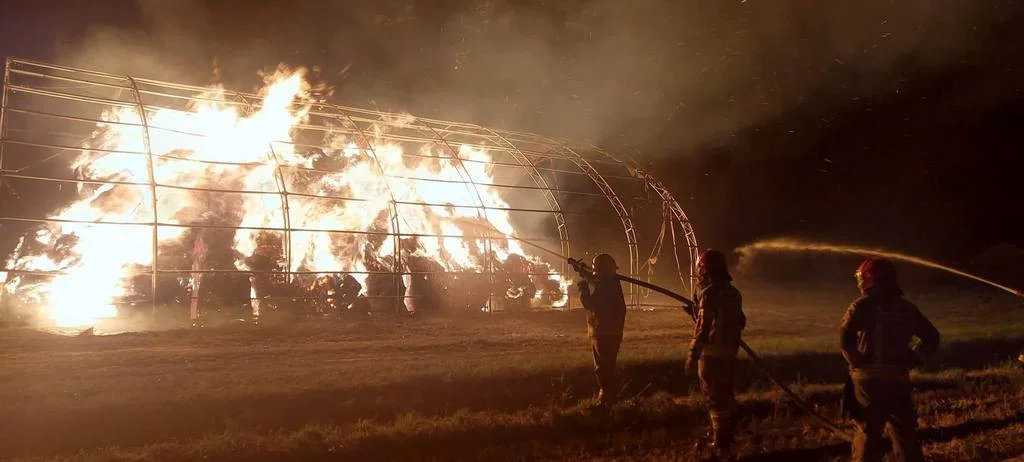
{"x": 561, "y": 171}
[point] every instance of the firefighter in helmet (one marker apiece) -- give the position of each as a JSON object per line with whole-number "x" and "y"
{"x": 601, "y": 295}
{"x": 875, "y": 338}
{"x": 716, "y": 338}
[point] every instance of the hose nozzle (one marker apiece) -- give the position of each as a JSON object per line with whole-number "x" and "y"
{"x": 580, "y": 267}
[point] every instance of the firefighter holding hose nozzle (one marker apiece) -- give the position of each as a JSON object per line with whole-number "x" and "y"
{"x": 716, "y": 339}
{"x": 601, "y": 295}
{"x": 875, "y": 338}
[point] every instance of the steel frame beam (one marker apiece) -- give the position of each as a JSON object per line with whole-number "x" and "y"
{"x": 481, "y": 211}
{"x": 620, "y": 211}
{"x": 282, "y": 188}
{"x": 680, "y": 218}
{"x": 522, "y": 147}
{"x": 152, "y": 186}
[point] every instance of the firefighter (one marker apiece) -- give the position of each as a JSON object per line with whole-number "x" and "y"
{"x": 875, "y": 338}
{"x": 601, "y": 295}
{"x": 716, "y": 337}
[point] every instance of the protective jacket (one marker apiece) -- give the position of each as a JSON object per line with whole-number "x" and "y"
{"x": 876, "y": 332}
{"x": 720, "y": 321}
{"x": 605, "y": 305}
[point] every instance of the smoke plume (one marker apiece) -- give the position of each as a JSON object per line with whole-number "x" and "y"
{"x": 653, "y": 75}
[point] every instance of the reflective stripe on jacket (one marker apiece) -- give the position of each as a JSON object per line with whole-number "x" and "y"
{"x": 877, "y": 330}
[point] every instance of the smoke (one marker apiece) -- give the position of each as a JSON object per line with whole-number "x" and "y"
{"x": 686, "y": 74}
{"x": 165, "y": 41}
{"x": 651, "y": 75}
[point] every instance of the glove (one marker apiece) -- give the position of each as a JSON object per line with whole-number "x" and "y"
{"x": 577, "y": 266}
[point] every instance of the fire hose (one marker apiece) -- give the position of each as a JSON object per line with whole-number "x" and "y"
{"x": 688, "y": 306}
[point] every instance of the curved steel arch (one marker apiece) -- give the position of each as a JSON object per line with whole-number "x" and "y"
{"x": 282, "y": 188}
{"x": 481, "y": 210}
{"x": 152, "y": 183}
{"x": 396, "y": 217}
{"x": 577, "y": 159}
{"x": 684, "y": 223}
{"x": 538, "y": 179}
{"x": 617, "y": 206}
{"x": 669, "y": 201}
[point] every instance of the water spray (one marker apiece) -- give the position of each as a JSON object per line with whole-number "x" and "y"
{"x": 690, "y": 307}
{"x": 791, "y": 245}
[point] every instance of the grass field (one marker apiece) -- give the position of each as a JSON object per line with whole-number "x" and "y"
{"x": 484, "y": 387}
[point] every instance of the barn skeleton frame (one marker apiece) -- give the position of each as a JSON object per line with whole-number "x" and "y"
{"x": 544, "y": 163}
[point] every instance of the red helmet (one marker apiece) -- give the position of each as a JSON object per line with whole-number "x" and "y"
{"x": 875, "y": 272}
{"x": 711, "y": 262}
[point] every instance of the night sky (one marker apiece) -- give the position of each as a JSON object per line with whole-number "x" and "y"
{"x": 886, "y": 123}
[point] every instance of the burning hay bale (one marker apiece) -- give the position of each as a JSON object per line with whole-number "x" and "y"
{"x": 428, "y": 285}
{"x": 520, "y": 289}
{"x": 203, "y": 200}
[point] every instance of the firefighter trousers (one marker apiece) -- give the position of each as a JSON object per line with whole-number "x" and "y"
{"x": 885, "y": 402}
{"x": 716, "y": 383}
{"x": 606, "y": 351}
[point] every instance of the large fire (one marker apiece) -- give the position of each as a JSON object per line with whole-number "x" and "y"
{"x": 216, "y": 145}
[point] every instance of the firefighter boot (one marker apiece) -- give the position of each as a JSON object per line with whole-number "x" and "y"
{"x": 607, "y": 397}
{"x": 702, "y": 447}
{"x": 600, "y": 402}
{"x": 723, "y": 428}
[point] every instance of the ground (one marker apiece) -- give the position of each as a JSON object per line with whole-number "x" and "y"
{"x": 486, "y": 387}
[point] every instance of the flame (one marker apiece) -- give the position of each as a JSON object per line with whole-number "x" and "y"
{"x": 215, "y": 144}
